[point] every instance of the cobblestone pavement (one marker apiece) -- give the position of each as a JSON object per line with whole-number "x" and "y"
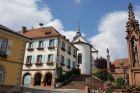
{"x": 58, "y": 91}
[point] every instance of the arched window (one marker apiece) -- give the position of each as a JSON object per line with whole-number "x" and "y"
{"x": 1, "y": 74}
{"x": 79, "y": 58}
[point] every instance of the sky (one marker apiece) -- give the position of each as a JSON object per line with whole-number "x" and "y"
{"x": 102, "y": 22}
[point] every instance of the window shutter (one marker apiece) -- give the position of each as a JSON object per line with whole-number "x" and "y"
{"x": 43, "y": 59}
{"x": 32, "y": 60}
{"x": 46, "y": 58}
{"x": 9, "y": 46}
{"x": 25, "y": 58}
{"x": 54, "y": 58}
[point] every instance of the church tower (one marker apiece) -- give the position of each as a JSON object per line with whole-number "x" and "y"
{"x": 133, "y": 41}
{"x": 86, "y": 53}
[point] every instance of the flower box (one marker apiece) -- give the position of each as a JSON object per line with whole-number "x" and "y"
{"x": 51, "y": 47}
{"x": 40, "y": 48}
{"x": 50, "y": 63}
{"x": 30, "y": 49}
{"x": 28, "y": 64}
{"x": 38, "y": 63}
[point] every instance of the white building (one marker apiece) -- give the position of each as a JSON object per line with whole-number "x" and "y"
{"x": 47, "y": 50}
{"x": 86, "y": 54}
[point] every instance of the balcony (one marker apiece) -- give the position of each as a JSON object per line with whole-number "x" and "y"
{"x": 51, "y": 47}
{"x": 38, "y": 63}
{"x": 50, "y": 63}
{"x": 40, "y": 48}
{"x": 62, "y": 48}
{"x": 3, "y": 54}
{"x": 28, "y": 64}
{"x": 30, "y": 49}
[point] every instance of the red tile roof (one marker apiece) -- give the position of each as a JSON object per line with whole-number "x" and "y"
{"x": 118, "y": 62}
{"x": 41, "y": 32}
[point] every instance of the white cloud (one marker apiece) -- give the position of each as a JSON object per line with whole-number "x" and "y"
{"x": 112, "y": 35}
{"x": 18, "y": 13}
{"x": 77, "y": 1}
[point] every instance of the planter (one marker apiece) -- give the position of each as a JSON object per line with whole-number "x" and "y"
{"x": 40, "y": 48}
{"x": 50, "y": 63}
{"x": 62, "y": 64}
{"x": 38, "y": 64}
{"x": 51, "y": 47}
{"x": 30, "y": 49}
{"x": 28, "y": 64}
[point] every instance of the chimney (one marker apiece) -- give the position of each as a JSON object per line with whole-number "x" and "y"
{"x": 24, "y": 29}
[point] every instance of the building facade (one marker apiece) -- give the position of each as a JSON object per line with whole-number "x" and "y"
{"x": 47, "y": 51}
{"x": 133, "y": 41}
{"x": 12, "y": 46}
{"x": 86, "y": 54}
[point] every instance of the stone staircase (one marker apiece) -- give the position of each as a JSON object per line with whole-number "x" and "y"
{"x": 77, "y": 82}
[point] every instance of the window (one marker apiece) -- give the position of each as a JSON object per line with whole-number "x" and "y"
{"x": 62, "y": 59}
{"x": 3, "y": 46}
{"x": 30, "y": 45}
{"x": 74, "y": 52}
{"x": 68, "y": 64}
{"x": 50, "y": 58}
{"x": 1, "y": 75}
{"x": 40, "y": 45}
{"x": 39, "y": 58}
{"x": 29, "y": 59}
{"x": 69, "y": 49}
{"x": 73, "y": 64}
{"x": 79, "y": 58}
{"x": 63, "y": 46}
{"x": 51, "y": 43}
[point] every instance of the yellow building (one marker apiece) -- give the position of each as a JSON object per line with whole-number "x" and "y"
{"x": 12, "y": 46}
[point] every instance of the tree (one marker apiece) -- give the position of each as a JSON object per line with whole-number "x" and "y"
{"x": 101, "y": 63}
{"x": 103, "y": 75}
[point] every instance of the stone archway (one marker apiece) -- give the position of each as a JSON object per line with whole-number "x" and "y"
{"x": 26, "y": 79}
{"x": 37, "y": 79}
{"x": 48, "y": 79}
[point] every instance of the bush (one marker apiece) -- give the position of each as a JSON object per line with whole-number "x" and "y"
{"x": 103, "y": 75}
{"x": 138, "y": 87}
{"x": 68, "y": 74}
{"x": 120, "y": 82}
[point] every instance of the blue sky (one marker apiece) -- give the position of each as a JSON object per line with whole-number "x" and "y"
{"x": 102, "y": 22}
{"x": 89, "y": 12}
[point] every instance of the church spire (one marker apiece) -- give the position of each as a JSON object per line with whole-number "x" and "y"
{"x": 132, "y": 24}
{"x": 78, "y": 27}
{"x": 131, "y": 15}
{"x": 78, "y": 33}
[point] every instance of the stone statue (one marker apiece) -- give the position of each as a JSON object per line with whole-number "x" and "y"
{"x": 135, "y": 52}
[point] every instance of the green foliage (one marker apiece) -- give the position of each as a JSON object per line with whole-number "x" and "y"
{"x": 120, "y": 82}
{"x": 138, "y": 87}
{"x": 111, "y": 78}
{"x": 66, "y": 75}
{"x": 101, "y": 63}
{"x": 103, "y": 75}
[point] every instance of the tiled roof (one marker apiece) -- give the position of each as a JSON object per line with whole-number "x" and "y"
{"x": 117, "y": 62}
{"x": 11, "y": 31}
{"x": 41, "y": 32}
